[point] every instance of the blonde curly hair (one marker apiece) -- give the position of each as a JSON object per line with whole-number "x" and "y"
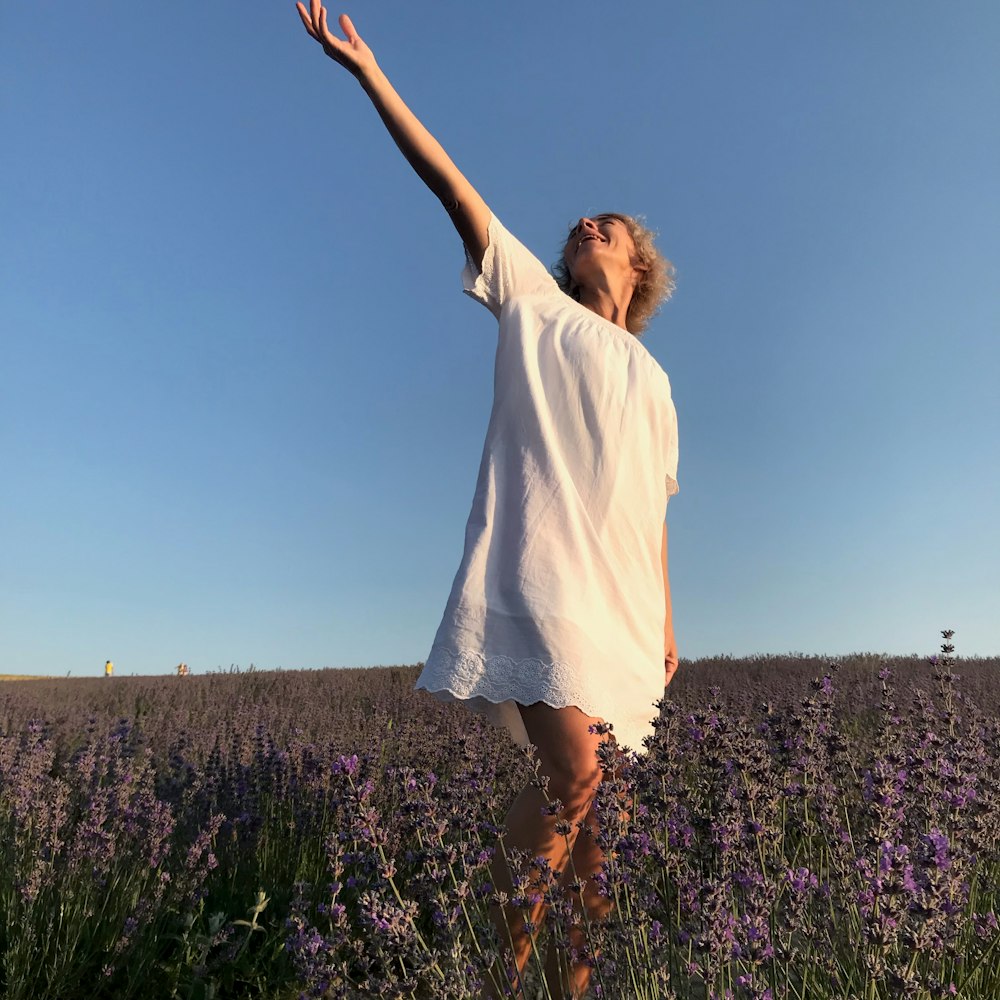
{"x": 655, "y": 286}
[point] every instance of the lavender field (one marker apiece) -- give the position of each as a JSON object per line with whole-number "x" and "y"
{"x": 800, "y": 829}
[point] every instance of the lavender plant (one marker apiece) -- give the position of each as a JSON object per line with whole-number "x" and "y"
{"x": 329, "y": 834}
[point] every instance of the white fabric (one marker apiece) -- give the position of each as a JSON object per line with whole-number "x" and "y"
{"x": 559, "y": 596}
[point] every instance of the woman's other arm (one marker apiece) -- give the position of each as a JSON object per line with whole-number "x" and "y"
{"x": 669, "y": 642}
{"x": 468, "y": 211}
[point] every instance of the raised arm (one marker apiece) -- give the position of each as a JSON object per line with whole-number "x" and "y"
{"x": 468, "y": 211}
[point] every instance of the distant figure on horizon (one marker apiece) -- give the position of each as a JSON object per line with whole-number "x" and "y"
{"x": 560, "y": 610}
{"x": 182, "y": 670}
{"x": 109, "y": 668}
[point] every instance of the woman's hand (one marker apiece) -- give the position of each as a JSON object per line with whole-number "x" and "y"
{"x": 669, "y": 661}
{"x": 352, "y": 54}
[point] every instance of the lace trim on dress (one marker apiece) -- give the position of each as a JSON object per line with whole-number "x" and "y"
{"x": 498, "y": 678}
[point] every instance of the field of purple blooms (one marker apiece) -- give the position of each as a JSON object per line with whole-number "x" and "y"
{"x": 799, "y": 829}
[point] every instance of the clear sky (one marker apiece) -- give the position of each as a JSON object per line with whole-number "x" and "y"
{"x": 243, "y": 399}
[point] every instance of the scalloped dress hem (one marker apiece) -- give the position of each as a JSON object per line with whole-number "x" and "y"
{"x": 481, "y": 695}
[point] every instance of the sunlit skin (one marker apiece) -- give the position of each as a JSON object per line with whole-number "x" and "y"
{"x": 601, "y": 259}
{"x": 602, "y": 262}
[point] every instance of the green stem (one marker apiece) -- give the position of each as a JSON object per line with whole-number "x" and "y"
{"x": 978, "y": 965}
{"x": 399, "y": 899}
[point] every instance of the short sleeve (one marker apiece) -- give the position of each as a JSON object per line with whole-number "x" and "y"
{"x": 509, "y": 269}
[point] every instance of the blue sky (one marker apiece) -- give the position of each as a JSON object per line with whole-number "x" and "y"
{"x": 243, "y": 399}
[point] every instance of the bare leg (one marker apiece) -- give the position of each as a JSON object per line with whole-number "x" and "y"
{"x": 528, "y": 829}
{"x": 585, "y": 861}
{"x": 567, "y": 754}
{"x": 587, "y": 858}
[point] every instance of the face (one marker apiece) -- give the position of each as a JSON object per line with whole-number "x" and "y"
{"x": 599, "y": 246}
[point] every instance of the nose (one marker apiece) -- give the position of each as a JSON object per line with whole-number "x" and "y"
{"x": 586, "y": 225}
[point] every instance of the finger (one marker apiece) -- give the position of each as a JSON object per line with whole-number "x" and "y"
{"x": 306, "y": 21}
{"x": 314, "y": 19}
{"x": 329, "y": 38}
{"x": 320, "y": 19}
{"x": 347, "y": 26}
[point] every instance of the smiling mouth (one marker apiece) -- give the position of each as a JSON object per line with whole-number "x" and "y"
{"x": 589, "y": 236}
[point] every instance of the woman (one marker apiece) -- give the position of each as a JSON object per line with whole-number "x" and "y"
{"x": 561, "y": 605}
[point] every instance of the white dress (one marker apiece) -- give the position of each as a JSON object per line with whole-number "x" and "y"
{"x": 560, "y": 595}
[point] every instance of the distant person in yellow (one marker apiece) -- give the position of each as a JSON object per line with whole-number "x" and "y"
{"x": 182, "y": 670}
{"x": 109, "y": 668}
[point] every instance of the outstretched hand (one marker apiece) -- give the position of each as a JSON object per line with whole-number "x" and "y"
{"x": 352, "y": 54}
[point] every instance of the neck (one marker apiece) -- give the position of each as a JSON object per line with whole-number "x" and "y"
{"x": 610, "y": 300}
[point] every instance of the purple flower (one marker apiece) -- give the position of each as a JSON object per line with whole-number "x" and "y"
{"x": 800, "y": 879}
{"x": 347, "y": 765}
{"x": 938, "y": 842}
